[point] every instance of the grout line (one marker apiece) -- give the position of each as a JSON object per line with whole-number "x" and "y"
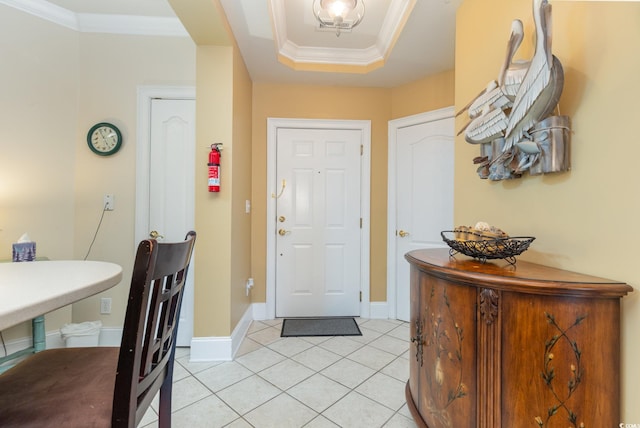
{"x": 316, "y": 345}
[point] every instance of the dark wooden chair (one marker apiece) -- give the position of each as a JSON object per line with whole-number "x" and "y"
{"x": 109, "y": 387}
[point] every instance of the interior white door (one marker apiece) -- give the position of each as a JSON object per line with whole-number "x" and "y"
{"x": 172, "y": 186}
{"x": 318, "y": 222}
{"x": 424, "y": 195}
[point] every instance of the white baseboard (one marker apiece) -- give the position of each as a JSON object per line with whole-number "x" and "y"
{"x": 204, "y": 349}
{"x": 259, "y": 311}
{"x": 238, "y": 334}
{"x": 110, "y": 336}
{"x": 52, "y": 340}
{"x": 379, "y": 310}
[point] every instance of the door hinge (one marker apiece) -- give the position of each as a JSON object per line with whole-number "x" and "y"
{"x": 361, "y": 296}
{"x": 360, "y": 222}
{"x": 361, "y": 149}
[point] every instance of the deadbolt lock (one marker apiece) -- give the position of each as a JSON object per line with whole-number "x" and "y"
{"x": 281, "y": 219}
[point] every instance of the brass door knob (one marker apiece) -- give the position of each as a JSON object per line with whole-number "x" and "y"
{"x": 155, "y": 235}
{"x": 402, "y": 233}
{"x": 283, "y": 232}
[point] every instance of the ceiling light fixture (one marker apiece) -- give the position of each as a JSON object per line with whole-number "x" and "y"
{"x": 338, "y": 14}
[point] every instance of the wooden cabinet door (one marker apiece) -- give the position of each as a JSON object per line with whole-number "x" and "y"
{"x": 560, "y": 358}
{"x": 443, "y": 361}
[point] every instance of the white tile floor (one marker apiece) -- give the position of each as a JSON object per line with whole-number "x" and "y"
{"x": 341, "y": 381}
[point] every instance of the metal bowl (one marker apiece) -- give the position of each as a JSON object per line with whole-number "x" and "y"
{"x": 486, "y": 249}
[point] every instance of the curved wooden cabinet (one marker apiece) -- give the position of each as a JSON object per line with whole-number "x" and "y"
{"x": 495, "y": 345}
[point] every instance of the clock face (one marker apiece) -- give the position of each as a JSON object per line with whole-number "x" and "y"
{"x": 104, "y": 139}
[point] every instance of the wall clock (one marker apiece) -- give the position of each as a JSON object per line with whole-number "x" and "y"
{"x": 104, "y": 139}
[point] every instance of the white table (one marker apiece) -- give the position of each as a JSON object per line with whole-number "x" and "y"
{"x": 31, "y": 289}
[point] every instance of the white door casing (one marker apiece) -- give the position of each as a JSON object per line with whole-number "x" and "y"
{"x": 420, "y": 196}
{"x": 274, "y": 187}
{"x": 318, "y": 210}
{"x": 165, "y": 178}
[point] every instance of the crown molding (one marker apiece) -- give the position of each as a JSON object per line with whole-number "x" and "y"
{"x": 45, "y": 10}
{"x": 393, "y": 24}
{"x": 321, "y": 55}
{"x": 131, "y": 24}
{"x": 100, "y": 23}
{"x": 364, "y": 58}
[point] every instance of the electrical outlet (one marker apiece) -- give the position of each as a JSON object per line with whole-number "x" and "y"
{"x": 109, "y": 202}
{"x": 249, "y": 285}
{"x": 105, "y": 305}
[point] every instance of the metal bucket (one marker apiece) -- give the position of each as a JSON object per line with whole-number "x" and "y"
{"x": 553, "y": 135}
{"x": 498, "y": 170}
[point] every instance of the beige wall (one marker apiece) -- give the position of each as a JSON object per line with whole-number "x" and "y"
{"x": 238, "y": 250}
{"x": 37, "y": 139}
{"x": 57, "y": 83}
{"x": 242, "y": 161}
{"x": 583, "y": 220}
{"x": 223, "y": 115}
{"x": 213, "y": 210}
{"x": 320, "y": 102}
{"x": 573, "y": 215}
{"x": 111, "y": 68}
{"x": 227, "y": 245}
{"x": 426, "y": 94}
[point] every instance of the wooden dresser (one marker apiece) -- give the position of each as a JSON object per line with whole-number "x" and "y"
{"x": 495, "y": 345}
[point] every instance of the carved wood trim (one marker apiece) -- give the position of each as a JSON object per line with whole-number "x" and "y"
{"x": 488, "y": 359}
{"x": 488, "y": 305}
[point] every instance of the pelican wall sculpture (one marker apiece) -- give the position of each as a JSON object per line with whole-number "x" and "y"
{"x": 511, "y": 118}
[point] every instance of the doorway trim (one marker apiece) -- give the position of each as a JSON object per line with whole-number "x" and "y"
{"x": 364, "y": 126}
{"x": 394, "y": 126}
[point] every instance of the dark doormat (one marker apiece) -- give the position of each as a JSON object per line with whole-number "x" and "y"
{"x": 295, "y": 327}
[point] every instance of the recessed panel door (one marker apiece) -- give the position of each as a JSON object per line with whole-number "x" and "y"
{"x": 318, "y": 222}
{"x": 171, "y": 187}
{"x": 424, "y": 195}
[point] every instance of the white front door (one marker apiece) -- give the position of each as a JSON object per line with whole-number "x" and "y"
{"x": 318, "y": 222}
{"x": 424, "y": 162}
{"x": 169, "y": 204}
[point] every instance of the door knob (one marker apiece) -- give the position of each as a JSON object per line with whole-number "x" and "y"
{"x": 155, "y": 235}
{"x": 402, "y": 233}
{"x": 283, "y": 232}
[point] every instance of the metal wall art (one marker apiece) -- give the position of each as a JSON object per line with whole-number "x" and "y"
{"x": 511, "y": 119}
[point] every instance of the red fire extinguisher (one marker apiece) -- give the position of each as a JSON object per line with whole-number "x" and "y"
{"x": 214, "y": 168}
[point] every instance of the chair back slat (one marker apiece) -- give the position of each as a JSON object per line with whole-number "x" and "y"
{"x": 151, "y": 323}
